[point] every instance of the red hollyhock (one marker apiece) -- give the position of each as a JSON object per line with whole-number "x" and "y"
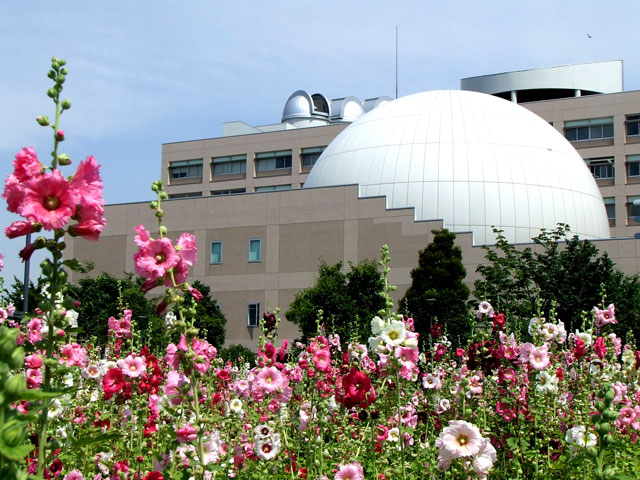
{"x": 112, "y": 382}
{"x": 580, "y": 348}
{"x": 153, "y": 476}
{"x": 600, "y": 348}
{"x": 355, "y": 389}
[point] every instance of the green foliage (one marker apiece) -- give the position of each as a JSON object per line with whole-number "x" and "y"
{"x": 566, "y": 272}
{"x": 437, "y": 290}
{"x": 348, "y": 301}
{"x": 209, "y": 317}
{"x": 105, "y": 296}
{"x": 238, "y": 355}
{"x": 15, "y": 294}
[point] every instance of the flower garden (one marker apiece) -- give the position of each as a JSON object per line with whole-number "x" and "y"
{"x": 554, "y": 404}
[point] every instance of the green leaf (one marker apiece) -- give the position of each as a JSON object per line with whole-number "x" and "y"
{"x": 39, "y": 395}
{"x": 95, "y": 439}
{"x": 17, "y": 453}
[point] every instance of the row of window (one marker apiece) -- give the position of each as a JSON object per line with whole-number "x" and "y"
{"x": 603, "y": 168}
{"x": 633, "y": 211}
{"x": 255, "y": 252}
{"x": 234, "y": 164}
{"x": 599, "y": 128}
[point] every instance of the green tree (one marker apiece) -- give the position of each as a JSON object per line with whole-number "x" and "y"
{"x": 209, "y": 317}
{"x": 567, "y": 273}
{"x": 348, "y": 301}
{"x": 437, "y": 292}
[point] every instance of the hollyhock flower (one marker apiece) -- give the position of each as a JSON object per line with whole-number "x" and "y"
{"x": 322, "y": 359}
{"x": 539, "y": 357}
{"x": 269, "y": 379}
{"x": 394, "y": 333}
{"x": 88, "y": 183}
{"x": 132, "y": 366}
{"x": 155, "y": 475}
{"x": 393, "y": 435}
{"x": 187, "y": 248}
{"x": 548, "y": 331}
{"x": 430, "y": 381}
{"x": 156, "y": 257}
{"x": 577, "y": 436}
{"x": 547, "y": 383}
{"x": 475, "y": 384}
{"x": 407, "y": 355}
{"x": 34, "y": 377}
{"x": 377, "y": 325}
{"x": 91, "y": 371}
{"x": 112, "y": 382}
{"x": 121, "y": 328}
{"x": 382, "y": 433}
{"x": 55, "y": 409}
{"x": 484, "y": 308}
{"x": 73, "y": 355}
{"x": 186, "y": 434}
{"x": 143, "y": 236}
{"x": 600, "y": 348}
{"x": 20, "y": 228}
{"x": 485, "y": 458}
{"x": 33, "y": 361}
{"x": 604, "y": 317}
{"x": 212, "y": 448}
{"x": 175, "y": 381}
{"x": 350, "y": 471}
{"x": 579, "y": 350}
{"x": 267, "y": 448}
{"x": 49, "y": 200}
{"x": 355, "y": 389}
{"x": 459, "y": 439}
{"x": 74, "y": 475}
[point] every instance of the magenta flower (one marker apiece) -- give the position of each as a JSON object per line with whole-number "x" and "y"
{"x": 186, "y": 434}
{"x": 350, "y": 471}
{"x": 155, "y": 258}
{"x": 49, "y": 200}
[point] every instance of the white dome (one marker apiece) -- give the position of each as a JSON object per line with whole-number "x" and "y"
{"x": 470, "y": 159}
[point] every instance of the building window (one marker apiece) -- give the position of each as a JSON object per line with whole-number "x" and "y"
{"x": 253, "y": 314}
{"x": 633, "y": 166}
{"x": 593, "y": 129}
{"x": 185, "y": 195}
{"x": 633, "y": 125}
{"x": 311, "y": 155}
{"x": 271, "y": 188}
{"x": 610, "y": 207}
{"x": 633, "y": 211}
{"x": 229, "y": 165}
{"x": 601, "y": 168}
{"x": 273, "y": 161}
{"x": 255, "y": 250}
{"x": 216, "y": 253}
{"x": 228, "y": 191}
{"x": 186, "y": 169}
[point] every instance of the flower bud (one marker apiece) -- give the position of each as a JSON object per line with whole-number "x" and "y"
{"x": 610, "y": 415}
{"x": 159, "y": 213}
{"x": 52, "y": 92}
{"x": 15, "y": 386}
{"x": 607, "y": 440}
{"x": 8, "y": 338}
{"x": 59, "y": 135}
{"x": 17, "y": 358}
{"x": 42, "y": 120}
{"x": 64, "y": 159}
{"x": 51, "y": 74}
{"x": 14, "y": 435}
{"x": 609, "y": 474}
{"x": 66, "y": 104}
{"x": 60, "y": 80}
{"x": 610, "y": 395}
{"x": 153, "y": 205}
{"x": 600, "y": 406}
{"x": 62, "y": 62}
{"x": 592, "y": 452}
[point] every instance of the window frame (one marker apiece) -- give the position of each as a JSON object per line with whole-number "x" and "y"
{"x": 259, "y": 258}
{"x": 231, "y": 161}
{"x": 610, "y": 208}
{"x": 588, "y": 130}
{"x": 635, "y": 161}
{"x": 632, "y": 120}
{"x": 250, "y": 323}
{"x": 310, "y": 151}
{"x": 631, "y": 219}
{"x": 282, "y": 157}
{"x": 211, "y": 261}
{"x": 607, "y": 162}
{"x": 188, "y": 165}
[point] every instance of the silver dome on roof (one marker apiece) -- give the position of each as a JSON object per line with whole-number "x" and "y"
{"x": 347, "y": 109}
{"x": 371, "y": 103}
{"x": 304, "y": 108}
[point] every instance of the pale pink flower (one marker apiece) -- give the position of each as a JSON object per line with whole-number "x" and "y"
{"x": 49, "y": 200}
{"x": 268, "y": 447}
{"x": 484, "y": 459}
{"x": 475, "y": 384}
{"x": 539, "y": 357}
{"x": 322, "y": 359}
{"x": 121, "y": 327}
{"x": 350, "y": 471}
{"x": 187, "y": 248}
{"x": 269, "y": 379}
{"x": 132, "y": 366}
{"x": 74, "y": 475}
{"x": 175, "y": 381}
{"x": 604, "y": 317}
{"x": 431, "y": 381}
{"x": 459, "y": 439}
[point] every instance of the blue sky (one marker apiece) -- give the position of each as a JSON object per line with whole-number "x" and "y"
{"x": 144, "y": 73}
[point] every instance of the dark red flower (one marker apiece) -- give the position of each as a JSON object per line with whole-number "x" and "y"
{"x": 355, "y": 389}
{"x": 153, "y": 476}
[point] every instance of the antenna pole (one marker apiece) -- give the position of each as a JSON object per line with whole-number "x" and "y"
{"x": 396, "y": 61}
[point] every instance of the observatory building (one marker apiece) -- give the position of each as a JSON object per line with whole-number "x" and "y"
{"x": 338, "y": 178}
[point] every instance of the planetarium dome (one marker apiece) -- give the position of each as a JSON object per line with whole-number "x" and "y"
{"x": 471, "y": 159}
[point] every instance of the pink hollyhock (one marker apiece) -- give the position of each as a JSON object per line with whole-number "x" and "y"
{"x": 604, "y": 317}
{"x": 350, "y": 471}
{"x": 186, "y": 434}
{"x": 35, "y": 327}
{"x": 74, "y": 475}
{"x": 33, "y": 361}
{"x": 88, "y": 183}
{"x": 155, "y": 258}
{"x": 459, "y": 439}
{"x": 49, "y": 200}
{"x": 580, "y": 348}
{"x": 26, "y": 164}
{"x": 143, "y": 237}
{"x": 175, "y": 381}
{"x": 187, "y": 248}
{"x": 539, "y": 357}
{"x": 89, "y": 229}
{"x": 600, "y": 348}
{"x": 121, "y": 328}
{"x": 20, "y": 228}
{"x": 322, "y": 359}
{"x": 34, "y": 377}
{"x": 132, "y": 366}
{"x": 269, "y": 379}
{"x": 73, "y": 355}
